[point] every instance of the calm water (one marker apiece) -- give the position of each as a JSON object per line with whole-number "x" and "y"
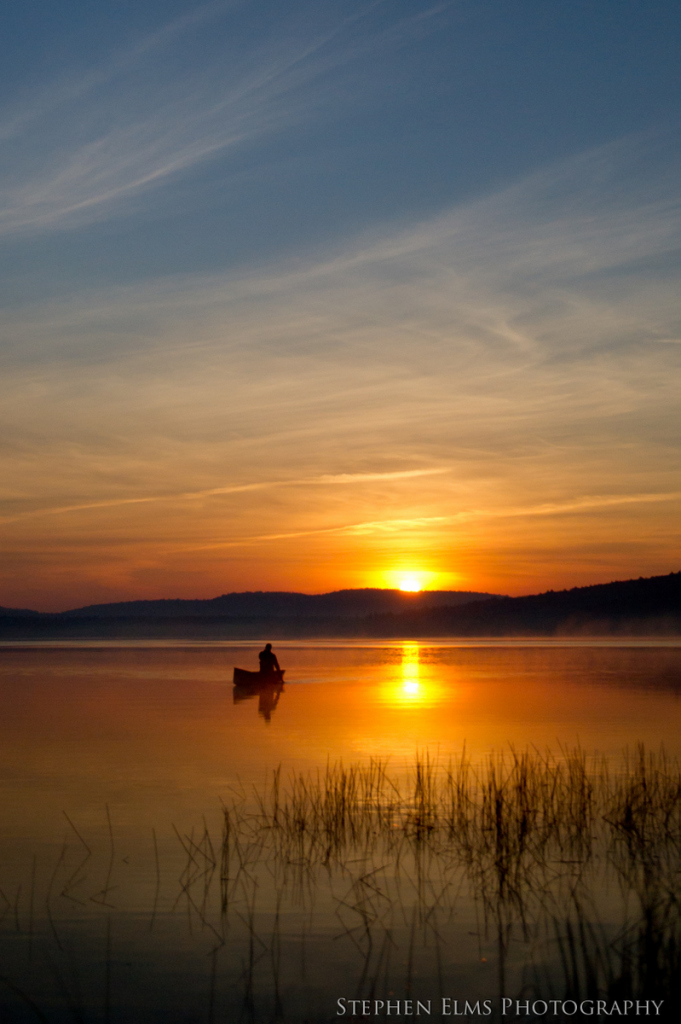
{"x": 115, "y": 764}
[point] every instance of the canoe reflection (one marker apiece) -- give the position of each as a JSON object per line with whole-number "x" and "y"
{"x": 267, "y": 690}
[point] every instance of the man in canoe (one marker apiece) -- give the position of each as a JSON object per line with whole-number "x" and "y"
{"x": 268, "y": 661}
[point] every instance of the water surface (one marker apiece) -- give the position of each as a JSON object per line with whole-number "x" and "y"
{"x": 116, "y": 761}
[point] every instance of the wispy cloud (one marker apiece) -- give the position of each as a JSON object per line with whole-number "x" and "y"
{"x": 512, "y": 344}
{"x": 530, "y": 318}
{"x": 43, "y": 101}
{"x": 144, "y": 115}
{"x": 428, "y": 524}
{"x": 326, "y": 479}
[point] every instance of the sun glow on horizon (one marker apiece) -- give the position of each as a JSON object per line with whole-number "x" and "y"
{"x": 411, "y": 577}
{"x": 410, "y": 584}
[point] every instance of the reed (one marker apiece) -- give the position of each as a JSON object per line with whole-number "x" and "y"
{"x": 574, "y": 858}
{"x": 513, "y": 813}
{"x": 538, "y": 841}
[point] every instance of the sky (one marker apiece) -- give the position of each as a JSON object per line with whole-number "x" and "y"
{"x": 305, "y": 296}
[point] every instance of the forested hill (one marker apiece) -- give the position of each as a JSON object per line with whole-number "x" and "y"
{"x": 230, "y": 615}
{"x": 632, "y": 607}
{"x": 629, "y": 607}
{"x": 283, "y": 604}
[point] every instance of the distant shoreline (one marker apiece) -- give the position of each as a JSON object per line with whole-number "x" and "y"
{"x": 329, "y": 643}
{"x": 641, "y": 608}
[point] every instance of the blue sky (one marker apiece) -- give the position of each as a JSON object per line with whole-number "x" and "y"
{"x": 408, "y": 269}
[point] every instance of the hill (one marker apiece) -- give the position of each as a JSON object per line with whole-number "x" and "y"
{"x": 242, "y": 615}
{"x": 630, "y": 607}
{"x": 280, "y": 604}
{"x": 623, "y": 608}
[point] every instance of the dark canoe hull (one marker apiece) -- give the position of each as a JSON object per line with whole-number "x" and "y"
{"x": 242, "y": 677}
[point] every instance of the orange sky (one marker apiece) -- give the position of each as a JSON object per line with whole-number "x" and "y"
{"x": 449, "y": 400}
{"x": 234, "y": 359}
{"x": 317, "y": 536}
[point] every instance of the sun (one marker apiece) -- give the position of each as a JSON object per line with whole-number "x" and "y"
{"x": 410, "y": 584}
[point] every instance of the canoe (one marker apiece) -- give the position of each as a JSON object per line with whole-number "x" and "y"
{"x": 242, "y": 677}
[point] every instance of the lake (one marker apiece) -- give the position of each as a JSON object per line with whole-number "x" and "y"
{"x": 468, "y": 822}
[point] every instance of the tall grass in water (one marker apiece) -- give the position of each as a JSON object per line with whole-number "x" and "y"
{"x": 561, "y": 872}
{"x": 515, "y": 813}
{"x": 545, "y": 845}
{"x": 516, "y": 824}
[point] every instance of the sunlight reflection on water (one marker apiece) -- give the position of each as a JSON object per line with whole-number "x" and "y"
{"x": 414, "y": 684}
